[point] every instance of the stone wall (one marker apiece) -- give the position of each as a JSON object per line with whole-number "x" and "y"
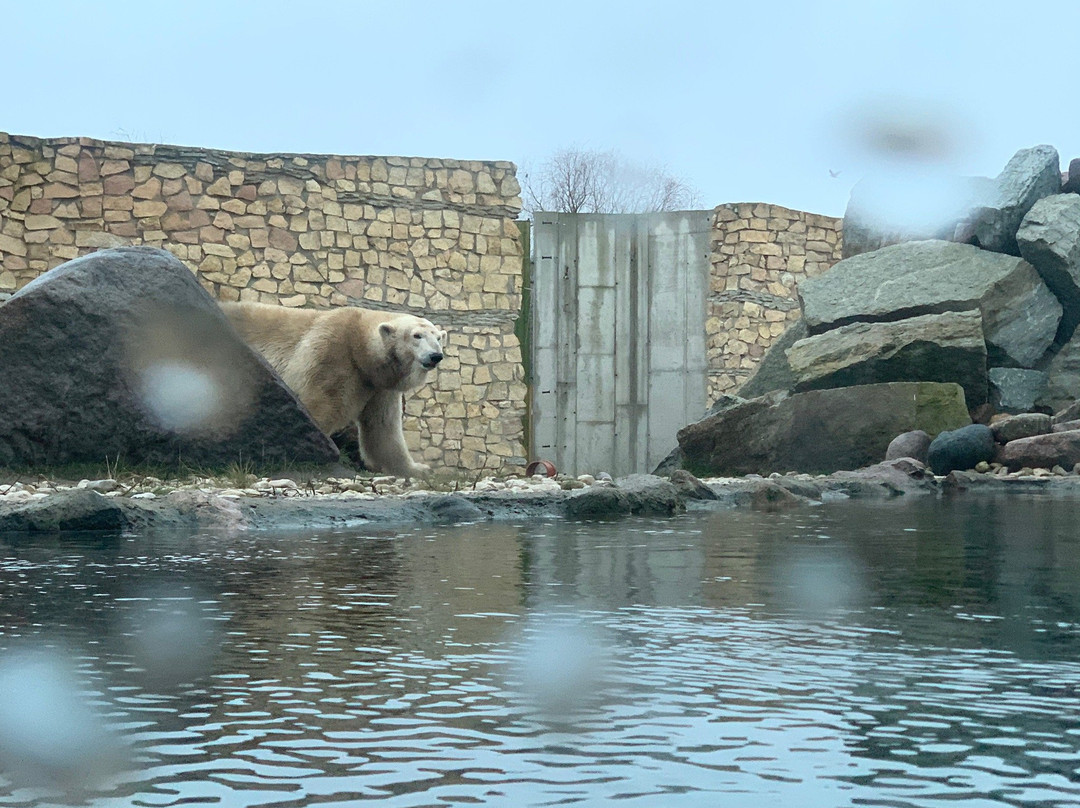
{"x": 432, "y": 237}
{"x": 759, "y": 254}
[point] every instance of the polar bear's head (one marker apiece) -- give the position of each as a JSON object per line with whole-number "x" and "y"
{"x": 415, "y": 343}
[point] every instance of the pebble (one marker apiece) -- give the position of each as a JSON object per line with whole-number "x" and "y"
{"x": 145, "y": 495}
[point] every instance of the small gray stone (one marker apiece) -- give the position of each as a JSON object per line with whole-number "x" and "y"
{"x": 914, "y": 444}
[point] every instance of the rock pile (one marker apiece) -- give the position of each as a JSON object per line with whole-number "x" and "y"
{"x": 988, "y": 301}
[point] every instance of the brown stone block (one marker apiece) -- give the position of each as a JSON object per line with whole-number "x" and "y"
{"x": 56, "y": 190}
{"x": 150, "y": 189}
{"x": 118, "y": 184}
{"x": 281, "y": 239}
{"x": 246, "y": 192}
{"x": 204, "y": 171}
{"x": 181, "y": 201}
{"x": 185, "y": 236}
{"x": 212, "y": 234}
{"x": 41, "y": 206}
{"x": 88, "y": 170}
{"x": 127, "y": 229}
{"x": 111, "y": 167}
{"x": 116, "y": 216}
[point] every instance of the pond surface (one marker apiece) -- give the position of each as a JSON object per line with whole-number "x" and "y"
{"x": 907, "y": 653}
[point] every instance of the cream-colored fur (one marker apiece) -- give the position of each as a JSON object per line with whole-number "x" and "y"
{"x": 348, "y": 366}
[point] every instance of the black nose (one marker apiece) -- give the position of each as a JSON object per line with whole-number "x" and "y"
{"x": 435, "y": 358}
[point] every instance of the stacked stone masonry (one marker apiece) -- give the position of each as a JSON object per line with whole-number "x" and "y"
{"x": 760, "y": 253}
{"x": 433, "y": 237}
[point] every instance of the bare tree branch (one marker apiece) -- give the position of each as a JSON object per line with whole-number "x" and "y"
{"x": 575, "y": 180}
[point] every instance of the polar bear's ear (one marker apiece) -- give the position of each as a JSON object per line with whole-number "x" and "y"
{"x": 442, "y": 337}
{"x": 386, "y": 330}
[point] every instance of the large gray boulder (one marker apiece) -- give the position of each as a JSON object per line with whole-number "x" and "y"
{"x": 773, "y": 371}
{"x": 945, "y": 347}
{"x": 819, "y": 431}
{"x": 1049, "y": 240}
{"x": 1020, "y": 314}
{"x": 121, "y": 353}
{"x": 1029, "y": 176}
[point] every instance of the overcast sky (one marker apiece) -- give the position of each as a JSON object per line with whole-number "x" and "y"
{"x": 745, "y": 101}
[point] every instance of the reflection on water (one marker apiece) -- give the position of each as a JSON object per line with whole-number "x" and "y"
{"x": 923, "y": 653}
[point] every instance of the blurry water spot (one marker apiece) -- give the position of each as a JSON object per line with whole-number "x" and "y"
{"x": 173, "y": 640}
{"x": 909, "y": 153}
{"x": 190, "y": 371}
{"x": 180, "y": 396}
{"x": 819, "y": 581}
{"x": 563, "y": 665}
{"x": 50, "y": 734}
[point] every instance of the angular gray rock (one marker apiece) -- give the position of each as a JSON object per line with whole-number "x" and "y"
{"x": 1020, "y": 313}
{"x": 960, "y": 449}
{"x": 774, "y": 372}
{"x": 1071, "y": 184}
{"x": 1026, "y": 425}
{"x": 1063, "y": 377}
{"x": 1049, "y": 240}
{"x": 690, "y": 487}
{"x": 913, "y": 444}
{"x": 1016, "y": 390}
{"x": 818, "y": 431}
{"x": 121, "y": 353}
{"x": 1042, "y": 451}
{"x": 945, "y": 347}
{"x": 1029, "y": 176}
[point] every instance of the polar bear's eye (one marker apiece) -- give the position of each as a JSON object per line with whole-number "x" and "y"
{"x": 417, "y": 335}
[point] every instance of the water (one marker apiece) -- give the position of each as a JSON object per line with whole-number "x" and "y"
{"x": 900, "y": 654}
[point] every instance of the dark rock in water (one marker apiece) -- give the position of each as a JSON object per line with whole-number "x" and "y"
{"x": 673, "y": 461}
{"x": 690, "y": 487}
{"x": 78, "y": 509}
{"x": 773, "y": 371}
{"x": 1020, "y": 314}
{"x": 818, "y": 431}
{"x": 597, "y": 502}
{"x": 1049, "y": 240}
{"x": 1016, "y": 389}
{"x": 945, "y": 347}
{"x": 650, "y": 495}
{"x": 1029, "y": 176}
{"x": 1025, "y": 425}
{"x": 867, "y": 227}
{"x": 454, "y": 510}
{"x": 1043, "y": 451}
{"x": 766, "y": 495}
{"x": 893, "y": 478}
{"x": 122, "y": 354}
{"x": 913, "y": 444}
{"x": 961, "y": 449}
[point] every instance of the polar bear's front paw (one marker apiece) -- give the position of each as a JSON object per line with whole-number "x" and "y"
{"x": 416, "y": 469}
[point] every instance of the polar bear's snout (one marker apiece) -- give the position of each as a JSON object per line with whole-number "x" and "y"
{"x": 431, "y": 360}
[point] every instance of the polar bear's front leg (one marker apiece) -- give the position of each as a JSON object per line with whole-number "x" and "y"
{"x": 382, "y": 437}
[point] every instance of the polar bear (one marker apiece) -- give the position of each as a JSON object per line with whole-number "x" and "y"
{"x": 348, "y": 366}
